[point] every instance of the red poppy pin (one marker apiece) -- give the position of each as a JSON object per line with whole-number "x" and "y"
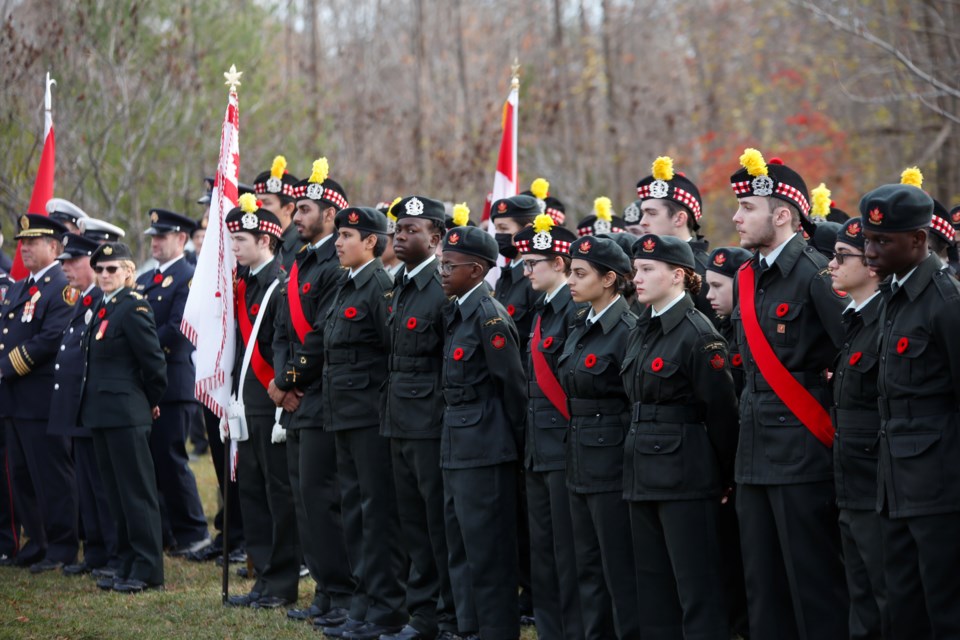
{"x": 511, "y": 309}
{"x": 657, "y": 364}
{"x": 855, "y": 358}
{"x": 649, "y": 245}
{"x": 350, "y": 313}
{"x": 157, "y": 278}
{"x": 305, "y": 288}
{"x": 782, "y": 309}
{"x": 499, "y": 341}
{"x": 736, "y": 360}
{"x": 590, "y": 361}
{"x": 453, "y": 238}
{"x": 584, "y": 247}
{"x": 547, "y": 342}
{"x": 255, "y": 309}
{"x": 719, "y": 259}
{"x": 876, "y": 217}
{"x": 411, "y": 323}
{"x": 87, "y": 300}
{"x": 717, "y": 361}
{"x": 458, "y": 354}
{"x": 902, "y": 345}
{"x": 33, "y": 290}
{"x": 101, "y": 313}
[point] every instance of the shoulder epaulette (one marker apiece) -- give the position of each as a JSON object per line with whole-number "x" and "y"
{"x": 948, "y": 287}
{"x": 629, "y": 319}
{"x": 703, "y": 326}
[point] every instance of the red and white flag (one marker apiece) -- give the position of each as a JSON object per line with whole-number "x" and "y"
{"x": 208, "y": 317}
{"x": 505, "y": 179}
{"x": 43, "y": 183}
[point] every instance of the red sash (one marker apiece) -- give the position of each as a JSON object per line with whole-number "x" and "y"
{"x": 546, "y": 379}
{"x": 803, "y": 405}
{"x": 261, "y": 368}
{"x": 300, "y": 324}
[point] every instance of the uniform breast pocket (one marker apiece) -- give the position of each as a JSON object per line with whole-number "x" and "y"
{"x": 590, "y": 372}
{"x": 905, "y": 359}
{"x": 354, "y": 319}
{"x": 658, "y": 461}
{"x": 783, "y": 324}
{"x": 660, "y": 379}
{"x": 463, "y": 364}
{"x": 419, "y": 327}
{"x": 551, "y": 346}
{"x": 862, "y": 373}
{"x": 784, "y": 437}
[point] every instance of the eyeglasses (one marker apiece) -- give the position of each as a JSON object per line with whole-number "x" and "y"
{"x": 111, "y": 269}
{"x": 530, "y": 265}
{"x": 841, "y": 256}
{"x": 448, "y": 267}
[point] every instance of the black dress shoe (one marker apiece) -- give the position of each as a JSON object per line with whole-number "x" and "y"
{"x": 106, "y": 583}
{"x": 182, "y": 550}
{"x": 406, "y": 633}
{"x": 270, "y": 602}
{"x": 370, "y": 631}
{"x": 132, "y": 585}
{"x": 76, "y": 569}
{"x": 104, "y": 572}
{"x": 45, "y": 565}
{"x": 245, "y": 600}
{"x": 313, "y": 611}
{"x": 333, "y": 618}
{"x": 527, "y": 621}
{"x": 448, "y": 635}
{"x": 339, "y": 630}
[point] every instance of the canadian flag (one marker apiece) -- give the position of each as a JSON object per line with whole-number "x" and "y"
{"x": 208, "y": 320}
{"x": 505, "y": 179}
{"x": 43, "y": 184}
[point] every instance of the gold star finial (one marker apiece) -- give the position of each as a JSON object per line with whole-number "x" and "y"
{"x": 233, "y": 77}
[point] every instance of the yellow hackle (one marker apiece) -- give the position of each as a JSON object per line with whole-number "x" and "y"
{"x": 912, "y": 176}
{"x": 663, "y": 168}
{"x": 461, "y": 214}
{"x": 602, "y": 207}
{"x": 320, "y": 171}
{"x": 543, "y": 223}
{"x": 248, "y": 203}
{"x": 540, "y": 188}
{"x": 278, "y": 167}
{"x": 752, "y": 160}
{"x": 821, "y": 202}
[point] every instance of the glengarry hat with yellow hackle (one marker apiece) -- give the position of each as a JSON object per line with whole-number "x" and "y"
{"x": 774, "y": 180}
{"x": 540, "y": 189}
{"x": 602, "y": 220}
{"x": 320, "y": 187}
{"x": 666, "y": 184}
{"x": 277, "y": 181}
{"x": 251, "y": 217}
{"x": 544, "y": 237}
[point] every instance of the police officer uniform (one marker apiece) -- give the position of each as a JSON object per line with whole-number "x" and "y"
{"x": 284, "y": 185}
{"x": 553, "y": 565}
{"x": 99, "y": 531}
{"x": 35, "y": 312}
{"x": 311, "y": 451}
{"x": 479, "y": 447}
{"x": 678, "y": 457}
{"x": 124, "y": 378}
{"x": 918, "y": 490}
{"x": 166, "y": 289}
{"x": 269, "y": 517}
{"x": 599, "y": 420}
{"x": 785, "y": 495}
{"x": 412, "y": 420}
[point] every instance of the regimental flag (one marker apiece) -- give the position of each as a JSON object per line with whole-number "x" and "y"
{"x": 505, "y": 180}
{"x": 208, "y": 318}
{"x": 43, "y": 184}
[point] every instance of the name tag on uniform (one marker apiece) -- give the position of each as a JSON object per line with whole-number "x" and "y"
{"x": 101, "y": 329}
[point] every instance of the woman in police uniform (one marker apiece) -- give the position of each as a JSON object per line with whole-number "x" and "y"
{"x": 125, "y": 375}
{"x": 589, "y": 372}
{"x": 680, "y": 447}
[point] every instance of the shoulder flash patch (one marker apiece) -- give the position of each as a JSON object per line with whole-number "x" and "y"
{"x": 493, "y": 321}
{"x": 714, "y": 346}
{"x": 498, "y": 341}
{"x": 717, "y": 361}
{"x": 143, "y": 309}
{"x": 135, "y": 295}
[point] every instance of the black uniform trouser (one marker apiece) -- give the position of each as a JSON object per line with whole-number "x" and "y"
{"x": 270, "y": 519}
{"x": 677, "y": 556}
{"x": 608, "y": 583}
{"x": 44, "y": 488}
{"x": 480, "y": 512}
{"x": 553, "y": 561}
{"x": 862, "y": 540}
{"x": 731, "y": 568}
{"x": 369, "y": 502}
{"x": 523, "y": 546}
{"x": 235, "y": 528}
{"x": 99, "y": 527}
{"x": 9, "y": 522}
{"x": 419, "y": 486}
{"x": 180, "y": 507}
{"x": 922, "y": 575}
{"x": 126, "y": 467}
{"x": 312, "y": 466}
{"x": 792, "y": 562}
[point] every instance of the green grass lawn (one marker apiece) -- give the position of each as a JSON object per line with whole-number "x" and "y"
{"x": 53, "y": 607}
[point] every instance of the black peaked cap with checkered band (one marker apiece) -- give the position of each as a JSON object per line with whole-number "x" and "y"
{"x": 544, "y": 237}
{"x": 666, "y": 184}
{"x": 773, "y": 179}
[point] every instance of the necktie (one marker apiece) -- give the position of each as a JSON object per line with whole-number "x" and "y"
{"x": 763, "y": 265}
{"x": 894, "y": 286}
{"x": 406, "y": 279}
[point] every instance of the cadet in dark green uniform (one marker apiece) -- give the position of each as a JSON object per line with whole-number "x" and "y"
{"x": 599, "y": 419}
{"x": 277, "y": 190}
{"x": 125, "y": 376}
{"x": 413, "y": 417}
{"x": 481, "y": 440}
{"x": 269, "y": 517}
{"x": 298, "y": 367}
{"x": 858, "y": 432}
{"x": 919, "y": 383}
{"x": 788, "y": 330}
{"x": 356, "y": 347}
{"x": 722, "y": 266}
{"x": 680, "y": 449}
{"x": 545, "y": 251}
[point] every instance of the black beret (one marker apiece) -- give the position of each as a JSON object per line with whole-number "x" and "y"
{"x": 727, "y": 260}
{"x": 472, "y": 241}
{"x": 667, "y": 249}
{"x": 602, "y": 252}
{"x": 110, "y": 251}
{"x": 515, "y": 207}
{"x": 942, "y": 224}
{"x": 893, "y": 208}
{"x": 253, "y": 219}
{"x": 34, "y": 225}
{"x": 779, "y": 181}
{"x": 420, "y": 207}
{"x": 625, "y": 240}
{"x": 665, "y": 184}
{"x": 77, "y": 246}
{"x": 544, "y": 237}
{"x": 851, "y": 232}
{"x": 824, "y": 236}
{"x": 361, "y": 219}
{"x": 163, "y": 221}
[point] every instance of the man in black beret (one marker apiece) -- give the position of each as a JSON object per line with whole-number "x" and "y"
{"x": 34, "y": 315}
{"x": 277, "y": 190}
{"x": 919, "y": 483}
{"x": 788, "y": 331}
{"x": 481, "y": 440}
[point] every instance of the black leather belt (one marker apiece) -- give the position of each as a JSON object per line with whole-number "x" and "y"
{"x": 590, "y": 406}
{"x": 665, "y": 413}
